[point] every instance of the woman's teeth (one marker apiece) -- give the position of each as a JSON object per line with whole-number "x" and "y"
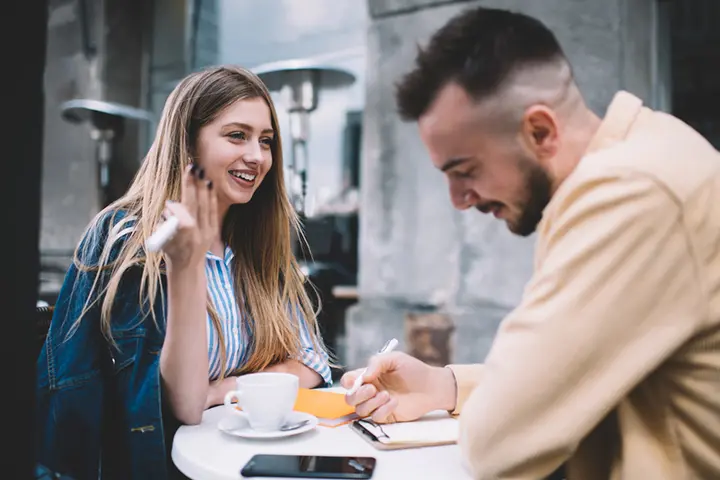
{"x": 245, "y": 176}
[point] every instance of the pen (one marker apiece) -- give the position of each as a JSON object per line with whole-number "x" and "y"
{"x": 162, "y": 234}
{"x": 387, "y": 348}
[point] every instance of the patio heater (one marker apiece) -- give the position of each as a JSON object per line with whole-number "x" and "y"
{"x": 299, "y": 83}
{"x": 107, "y": 122}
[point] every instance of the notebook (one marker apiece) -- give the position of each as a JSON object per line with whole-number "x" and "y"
{"x": 434, "y": 429}
{"x": 330, "y": 408}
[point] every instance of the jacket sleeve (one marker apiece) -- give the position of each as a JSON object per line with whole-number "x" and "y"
{"x": 467, "y": 377}
{"x": 69, "y": 393}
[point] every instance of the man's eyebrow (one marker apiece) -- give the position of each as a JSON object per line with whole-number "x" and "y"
{"x": 453, "y": 162}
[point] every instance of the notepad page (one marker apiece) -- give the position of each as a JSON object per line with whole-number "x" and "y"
{"x": 435, "y": 427}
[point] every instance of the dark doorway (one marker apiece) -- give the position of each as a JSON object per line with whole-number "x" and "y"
{"x": 24, "y": 58}
{"x": 694, "y": 47}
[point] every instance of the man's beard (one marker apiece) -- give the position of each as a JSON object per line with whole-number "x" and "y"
{"x": 538, "y": 189}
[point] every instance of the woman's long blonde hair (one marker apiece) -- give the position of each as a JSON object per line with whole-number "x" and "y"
{"x": 269, "y": 285}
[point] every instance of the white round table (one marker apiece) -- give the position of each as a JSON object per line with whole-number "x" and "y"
{"x": 202, "y": 452}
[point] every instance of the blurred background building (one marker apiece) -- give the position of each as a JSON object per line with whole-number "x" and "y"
{"x": 128, "y": 52}
{"x": 384, "y": 235}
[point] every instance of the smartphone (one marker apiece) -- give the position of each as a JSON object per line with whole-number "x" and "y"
{"x": 309, "y": 466}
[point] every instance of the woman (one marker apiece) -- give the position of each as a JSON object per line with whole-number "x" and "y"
{"x": 135, "y": 332}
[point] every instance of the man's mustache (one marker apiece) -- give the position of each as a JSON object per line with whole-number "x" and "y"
{"x": 487, "y": 207}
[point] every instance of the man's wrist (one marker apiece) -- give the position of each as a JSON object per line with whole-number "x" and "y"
{"x": 447, "y": 389}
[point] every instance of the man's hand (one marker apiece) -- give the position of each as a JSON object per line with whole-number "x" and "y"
{"x": 401, "y": 388}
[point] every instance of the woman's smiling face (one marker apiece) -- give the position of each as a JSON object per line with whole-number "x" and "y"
{"x": 235, "y": 150}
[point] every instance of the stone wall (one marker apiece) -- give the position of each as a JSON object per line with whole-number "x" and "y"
{"x": 139, "y": 49}
{"x": 68, "y": 187}
{"x": 109, "y": 64}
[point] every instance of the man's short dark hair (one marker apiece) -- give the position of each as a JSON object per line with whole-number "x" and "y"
{"x": 477, "y": 49}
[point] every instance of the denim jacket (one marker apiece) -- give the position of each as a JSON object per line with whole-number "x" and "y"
{"x": 99, "y": 408}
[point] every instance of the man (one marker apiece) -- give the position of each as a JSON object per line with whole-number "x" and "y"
{"x": 611, "y": 362}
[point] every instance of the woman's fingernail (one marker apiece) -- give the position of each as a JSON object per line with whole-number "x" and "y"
{"x": 201, "y": 173}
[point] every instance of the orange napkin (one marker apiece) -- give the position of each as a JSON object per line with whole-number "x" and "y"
{"x": 329, "y": 407}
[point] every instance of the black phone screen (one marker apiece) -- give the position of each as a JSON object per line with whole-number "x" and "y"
{"x": 299, "y": 466}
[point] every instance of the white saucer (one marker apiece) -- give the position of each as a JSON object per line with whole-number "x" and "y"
{"x": 237, "y": 425}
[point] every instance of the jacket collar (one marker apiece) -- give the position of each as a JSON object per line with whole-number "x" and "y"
{"x": 620, "y": 116}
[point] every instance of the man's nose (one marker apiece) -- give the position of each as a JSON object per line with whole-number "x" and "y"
{"x": 464, "y": 199}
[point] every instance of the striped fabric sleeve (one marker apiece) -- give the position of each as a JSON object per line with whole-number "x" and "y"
{"x": 309, "y": 356}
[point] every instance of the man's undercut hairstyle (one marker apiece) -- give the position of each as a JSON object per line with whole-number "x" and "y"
{"x": 478, "y": 49}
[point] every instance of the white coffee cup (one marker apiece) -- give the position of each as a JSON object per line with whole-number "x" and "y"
{"x": 266, "y": 398}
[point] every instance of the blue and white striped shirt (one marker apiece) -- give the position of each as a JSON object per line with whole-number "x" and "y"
{"x": 236, "y": 331}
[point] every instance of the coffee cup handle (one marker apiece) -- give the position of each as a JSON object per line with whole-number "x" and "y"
{"x": 236, "y": 394}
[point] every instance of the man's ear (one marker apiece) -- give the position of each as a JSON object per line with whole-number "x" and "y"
{"x": 540, "y": 131}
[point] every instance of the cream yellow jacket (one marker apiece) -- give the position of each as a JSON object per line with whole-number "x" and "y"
{"x": 611, "y": 362}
